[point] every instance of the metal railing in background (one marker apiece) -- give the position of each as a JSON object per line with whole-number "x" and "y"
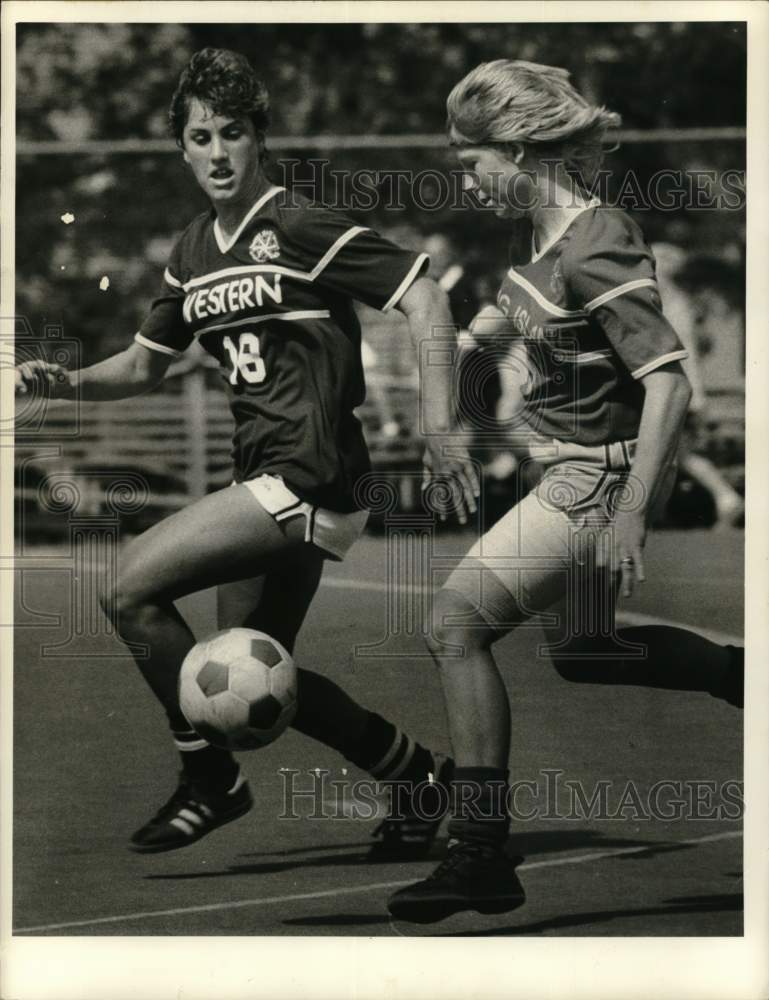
{"x": 177, "y": 439}
{"x": 104, "y": 147}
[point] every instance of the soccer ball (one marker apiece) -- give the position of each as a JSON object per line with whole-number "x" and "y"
{"x": 238, "y": 689}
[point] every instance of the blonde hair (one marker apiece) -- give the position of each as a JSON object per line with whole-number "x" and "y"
{"x": 514, "y": 101}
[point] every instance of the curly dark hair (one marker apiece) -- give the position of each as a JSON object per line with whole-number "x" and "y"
{"x": 224, "y": 81}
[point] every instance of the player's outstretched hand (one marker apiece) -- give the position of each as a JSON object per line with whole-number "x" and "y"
{"x": 51, "y": 379}
{"x": 447, "y": 464}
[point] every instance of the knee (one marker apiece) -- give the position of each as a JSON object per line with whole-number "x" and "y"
{"x": 456, "y": 623}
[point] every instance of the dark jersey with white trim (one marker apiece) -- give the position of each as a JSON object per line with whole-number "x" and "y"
{"x": 588, "y": 308}
{"x": 273, "y": 305}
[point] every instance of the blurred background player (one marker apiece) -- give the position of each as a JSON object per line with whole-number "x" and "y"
{"x": 265, "y": 282}
{"x": 681, "y": 309}
{"x": 606, "y": 402}
{"x": 489, "y": 375}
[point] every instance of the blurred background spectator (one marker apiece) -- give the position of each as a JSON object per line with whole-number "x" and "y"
{"x": 693, "y": 313}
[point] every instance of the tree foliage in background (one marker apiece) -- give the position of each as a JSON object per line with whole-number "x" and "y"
{"x": 113, "y": 80}
{"x": 92, "y": 81}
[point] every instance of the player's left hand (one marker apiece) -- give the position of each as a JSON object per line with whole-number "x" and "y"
{"x": 51, "y": 379}
{"x": 629, "y": 540}
{"x": 447, "y": 461}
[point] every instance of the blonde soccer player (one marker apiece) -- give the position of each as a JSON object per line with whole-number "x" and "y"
{"x": 605, "y": 401}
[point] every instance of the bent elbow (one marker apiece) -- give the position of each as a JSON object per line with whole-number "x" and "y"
{"x": 425, "y": 295}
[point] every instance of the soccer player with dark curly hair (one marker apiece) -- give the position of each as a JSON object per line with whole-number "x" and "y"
{"x": 265, "y": 282}
{"x": 605, "y": 399}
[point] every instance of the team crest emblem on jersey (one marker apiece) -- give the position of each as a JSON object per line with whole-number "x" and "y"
{"x": 264, "y": 246}
{"x": 556, "y": 281}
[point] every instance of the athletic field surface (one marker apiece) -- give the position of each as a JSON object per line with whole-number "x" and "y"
{"x": 628, "y": 809}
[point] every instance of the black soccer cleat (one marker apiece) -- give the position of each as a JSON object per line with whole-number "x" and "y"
{"x": 192, "y": 811}
{"x": 474, "y": 876}
{"x": 416, "y": 812}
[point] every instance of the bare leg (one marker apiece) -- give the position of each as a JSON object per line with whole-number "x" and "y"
{"x": 223, "y": 537}
{"x": 477, "y": 704}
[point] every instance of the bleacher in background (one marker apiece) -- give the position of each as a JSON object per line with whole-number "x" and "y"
{"x": 173, "y": 445}
{"x": 175, "y": 439}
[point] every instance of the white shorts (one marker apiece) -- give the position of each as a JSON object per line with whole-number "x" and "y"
{"x": 544, "y": 548}
{"x": 327, "y": 529}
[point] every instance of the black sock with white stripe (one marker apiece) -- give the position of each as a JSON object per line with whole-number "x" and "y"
{"x": 479, "y": 805}
{"x": 203, "y": 763}
{"x": 390, "y": 755}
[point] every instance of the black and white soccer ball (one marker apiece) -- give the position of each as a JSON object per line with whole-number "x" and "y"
{"x": 238, "y": 689}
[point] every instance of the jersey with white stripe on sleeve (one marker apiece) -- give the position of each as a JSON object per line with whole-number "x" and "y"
{"x": 588, "y": 308}
{"x": 273, "y": 305}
